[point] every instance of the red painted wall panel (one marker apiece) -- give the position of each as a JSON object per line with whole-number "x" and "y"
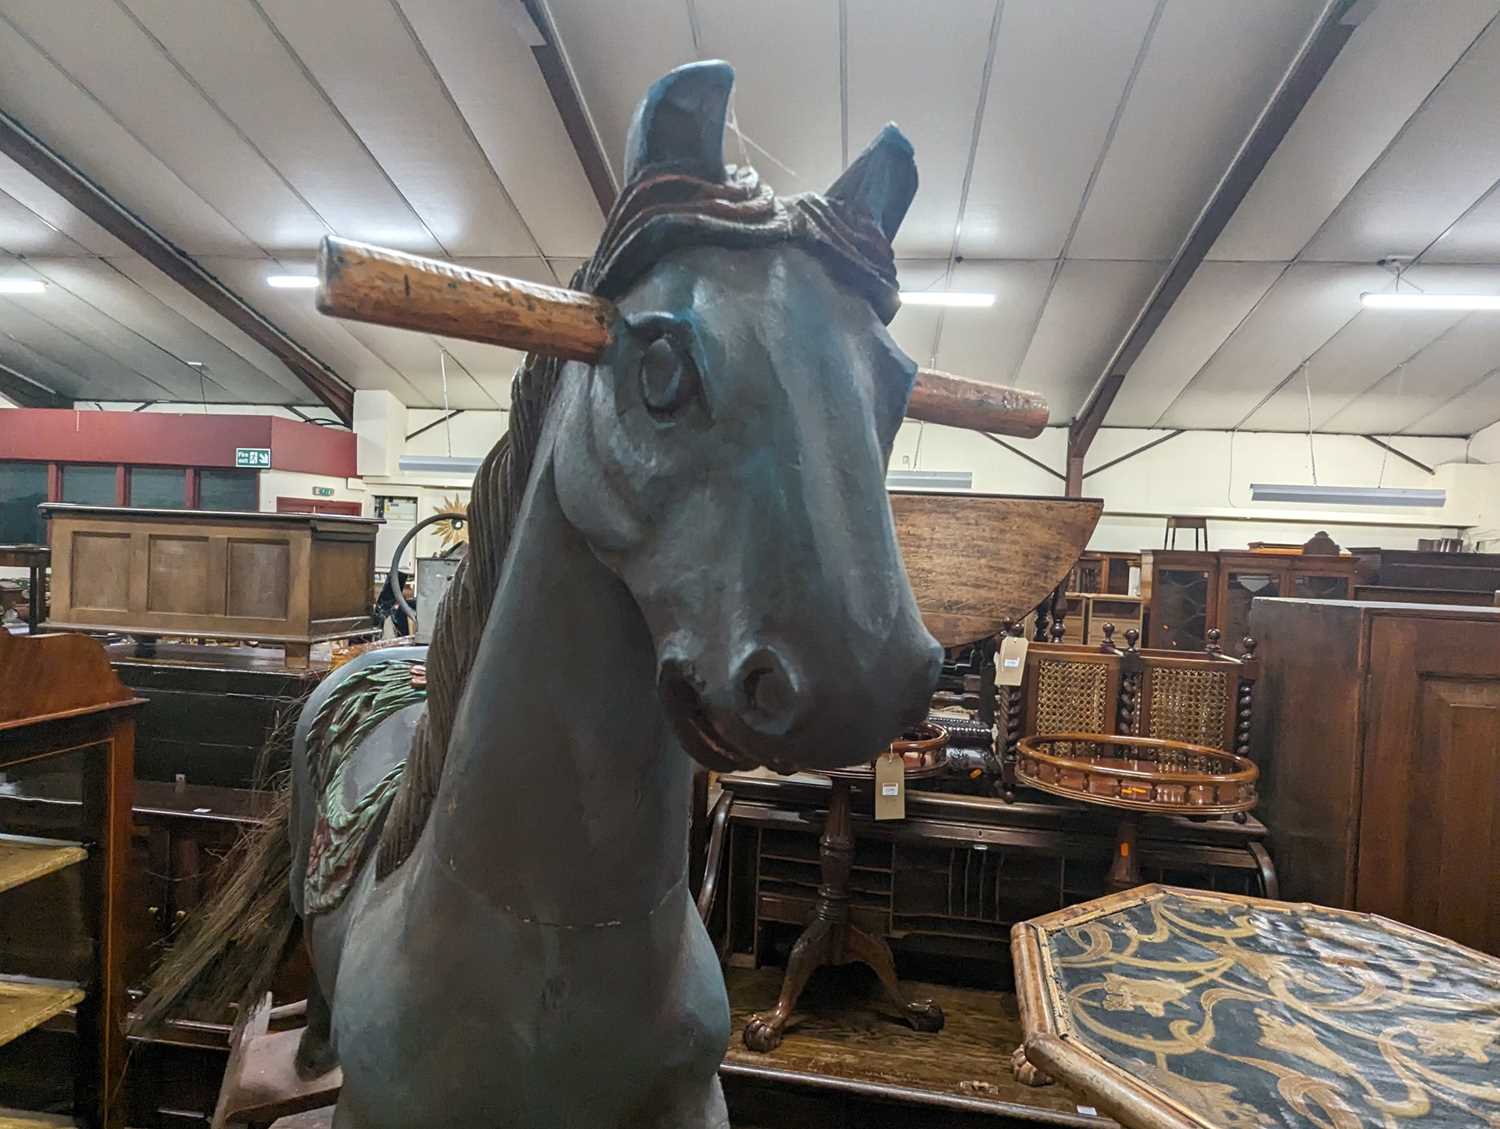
{"x": 163, "y": 439}
{"x": 141, "y": 438}
{"x": 312, "y": 449}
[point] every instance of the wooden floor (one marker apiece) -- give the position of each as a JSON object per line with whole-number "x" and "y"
{"x": 845, "y": 1057}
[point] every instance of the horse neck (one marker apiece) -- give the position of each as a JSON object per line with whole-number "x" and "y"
{"x": 564, "y": 798}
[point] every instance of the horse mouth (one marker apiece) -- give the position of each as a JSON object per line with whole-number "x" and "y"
{"x": 707, "y": 748}
{"x": 696, "y": 732}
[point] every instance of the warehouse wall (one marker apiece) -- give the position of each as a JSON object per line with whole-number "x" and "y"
{"x": 1204, "y": 472}
{"x": 1209, "y": 473}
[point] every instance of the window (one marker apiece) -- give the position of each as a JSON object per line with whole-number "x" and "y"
{"x": 229, "y": 490}
{"x": 156, "y": 487}
{"x": 23, "y": 487}
{"x": 89, "y": 485}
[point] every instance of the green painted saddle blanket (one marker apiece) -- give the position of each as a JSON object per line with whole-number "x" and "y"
{"x": 344, "y": 822}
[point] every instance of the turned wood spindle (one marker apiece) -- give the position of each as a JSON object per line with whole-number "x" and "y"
{"x": 1043, "y": 619}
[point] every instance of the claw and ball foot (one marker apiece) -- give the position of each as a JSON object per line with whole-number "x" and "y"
{"x": 763, "y": 1032}
{"x": 1028, "y": 1073}
{"x": 925, "y": 1016}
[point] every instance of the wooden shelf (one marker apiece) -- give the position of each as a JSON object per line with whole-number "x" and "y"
{"x": 25, "y": 1004}
{"x": 23, "y": 859}
{"x": 20, "y": 1119}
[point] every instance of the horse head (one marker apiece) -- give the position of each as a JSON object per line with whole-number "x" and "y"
{"x": 726, "y": 460}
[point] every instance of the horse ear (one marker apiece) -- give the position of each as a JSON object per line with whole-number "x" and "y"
{"x": 882, "y": 180}
{"x": 680, "y": 123}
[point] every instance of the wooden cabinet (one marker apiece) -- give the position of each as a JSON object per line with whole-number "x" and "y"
{"x": 1379, "y": 729}
{"x": 210, "y": 711}
{"x": 1124, "y": 612}
{"x": 292, "y": 579}
{"x": 1104, "y": 573}
{"x": 1187, "y": 593}
{"x": 63, "y": 708}
{"x": 1181, "y": 593}
{"x": 1417, "y": 576}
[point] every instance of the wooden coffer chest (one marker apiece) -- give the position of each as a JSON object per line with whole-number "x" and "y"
{"x": 1378, "y": 731}
{"x": 282, "y": 578}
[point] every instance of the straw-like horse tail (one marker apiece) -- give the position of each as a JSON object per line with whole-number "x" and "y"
{"x": 229, "y": 949}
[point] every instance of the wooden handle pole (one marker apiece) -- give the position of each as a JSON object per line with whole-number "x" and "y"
{"x": 371, "y": 284}
{"x": 365, "y": 283}
{"x": 957, "y": 401}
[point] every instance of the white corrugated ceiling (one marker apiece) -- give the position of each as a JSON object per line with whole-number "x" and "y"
{"x": 1065, "y": 150}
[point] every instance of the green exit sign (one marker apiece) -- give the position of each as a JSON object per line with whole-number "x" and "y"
{"x": 257, "y": 458}
{"x": 322, "y": 491}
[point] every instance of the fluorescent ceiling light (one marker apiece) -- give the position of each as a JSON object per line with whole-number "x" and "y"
{"x": 1346, "y": 495}
{"x": 929, "y": 480}
{"x": 946, "y": 298}
{"x": 292, "y": 281}
{"x": 22, "y": 286}
{"x": 1409, "y": 301}
{"x": 439, "y": 464}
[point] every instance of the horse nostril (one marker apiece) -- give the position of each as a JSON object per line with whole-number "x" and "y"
{"x": 768, "y": 692}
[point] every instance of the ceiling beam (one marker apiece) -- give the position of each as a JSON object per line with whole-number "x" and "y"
{"x": 569, "y": 102}
{"x": 1141, "y": 450}
{"x": 1020, "y": 454}
{"x": 37, "y": 158}
{"x": 1317, "y": 54}
{"x": 435, "y": 423}
{"x": 1400, "y": 454}
{"x": 27, "y": 393}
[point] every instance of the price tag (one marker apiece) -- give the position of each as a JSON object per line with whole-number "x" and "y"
{"x": 890, "y": 786}
{"x": 1010, "y": 664}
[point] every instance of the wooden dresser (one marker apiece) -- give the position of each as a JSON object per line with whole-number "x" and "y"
{"x": 1378, "y": 730}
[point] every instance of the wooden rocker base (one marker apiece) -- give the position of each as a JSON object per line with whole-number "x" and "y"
{"x": 261, "y": 1083}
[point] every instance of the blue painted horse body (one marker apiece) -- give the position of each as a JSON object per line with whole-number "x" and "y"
{"x": 704, "y": 562}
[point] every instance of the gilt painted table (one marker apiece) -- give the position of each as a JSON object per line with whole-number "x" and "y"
{"x": 1179, "y": 1009}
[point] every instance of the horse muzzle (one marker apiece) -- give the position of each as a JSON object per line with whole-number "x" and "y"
{"x": 770, "y": 713}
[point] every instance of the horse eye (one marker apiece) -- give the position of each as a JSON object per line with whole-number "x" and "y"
{"x": 669, "y": 379}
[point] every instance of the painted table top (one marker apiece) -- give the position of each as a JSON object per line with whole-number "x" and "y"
{"x": 1193, "y": 1010}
